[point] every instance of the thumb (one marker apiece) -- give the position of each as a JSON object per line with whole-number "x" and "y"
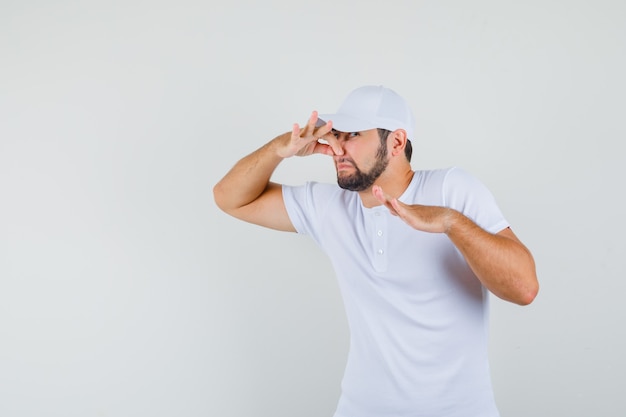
{"x": 379, "y": 194}
{"x": 386, "y": 199}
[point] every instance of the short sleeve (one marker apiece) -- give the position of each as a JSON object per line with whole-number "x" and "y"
{"x": 296, "y": 200}
{"x": 465, "y": 193}
{"x": 307, "y": 204}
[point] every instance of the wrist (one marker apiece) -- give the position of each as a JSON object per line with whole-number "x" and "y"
{"x": 279, "y": 145}
{"x": 451, "y": 220}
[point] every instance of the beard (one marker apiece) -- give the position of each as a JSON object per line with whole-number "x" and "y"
{"x": 359, "y": 180}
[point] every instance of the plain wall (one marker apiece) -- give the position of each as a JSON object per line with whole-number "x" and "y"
{"x": 124, "y": 291}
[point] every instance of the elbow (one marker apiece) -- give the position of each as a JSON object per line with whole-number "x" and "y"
{"x": 528, "y": 295}
{"x": 225, "y": 200}
{"x": 528, "y": 285}
{"x": 528, "y": 298}
{"x": 219, "y": 196}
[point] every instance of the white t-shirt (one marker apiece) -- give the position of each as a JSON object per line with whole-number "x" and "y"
{"x": 418, "y": 316}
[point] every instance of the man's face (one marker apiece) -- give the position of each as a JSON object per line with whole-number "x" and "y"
{"x": 364, "y": 159}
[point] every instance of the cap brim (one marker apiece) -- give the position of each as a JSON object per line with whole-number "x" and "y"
{"x": 345, "y": 123}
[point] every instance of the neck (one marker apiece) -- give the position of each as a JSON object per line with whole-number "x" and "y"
{"x": 392, "y": 183}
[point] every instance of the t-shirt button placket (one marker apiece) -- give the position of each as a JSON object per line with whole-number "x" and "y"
{"x": 380, "y": 242}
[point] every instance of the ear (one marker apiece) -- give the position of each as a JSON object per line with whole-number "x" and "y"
{"x": 397, "y": 140}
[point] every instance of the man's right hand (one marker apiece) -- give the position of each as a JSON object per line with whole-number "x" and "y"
{"x": 306, "y": 141}
{"x": 246, "y": 192}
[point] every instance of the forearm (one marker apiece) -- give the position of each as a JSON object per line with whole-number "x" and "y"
{"x": 248, "y": 179}
{"x": 500, "y": 261}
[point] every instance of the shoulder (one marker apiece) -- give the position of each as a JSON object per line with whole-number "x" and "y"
{"x": 438, "y": 186}
{"x": 456, "y": 178}
{"x": 308, "y": 205}
{"x": 317, "y": 195}
{"x": 445, "y": 178}
{"x": 456, "y": 188}
{"x": 313, "y": 189}
{"x": 427, "y": 186}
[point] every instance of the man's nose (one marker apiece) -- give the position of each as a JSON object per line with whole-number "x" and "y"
{"x": 337, "y": 142}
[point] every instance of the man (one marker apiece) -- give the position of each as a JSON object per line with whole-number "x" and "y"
{"x": 415, "y": 253}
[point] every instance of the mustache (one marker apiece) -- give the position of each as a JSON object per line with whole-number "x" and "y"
{"x": 344, "y": 160}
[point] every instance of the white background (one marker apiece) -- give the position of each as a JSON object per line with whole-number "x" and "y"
{"x": 124, "y": 291}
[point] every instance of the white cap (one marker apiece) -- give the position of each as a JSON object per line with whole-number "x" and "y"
{"x": 372, "y": 107}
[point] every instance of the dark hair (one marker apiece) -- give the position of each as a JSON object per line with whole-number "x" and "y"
{"x": 408, "y": 149}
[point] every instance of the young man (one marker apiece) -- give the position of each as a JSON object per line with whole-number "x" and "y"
{"x": 415, "y": 253}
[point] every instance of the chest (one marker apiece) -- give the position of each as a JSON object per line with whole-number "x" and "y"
{"x": 376, "y": 246}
